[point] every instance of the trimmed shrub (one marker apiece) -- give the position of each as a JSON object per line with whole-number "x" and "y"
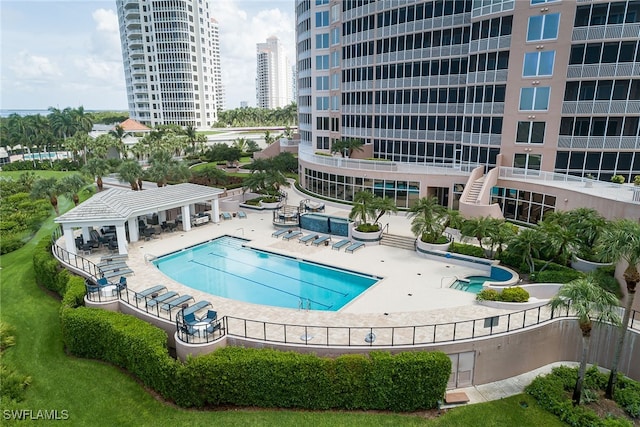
{"x": 368, "y": 228}
{"x": 488, "y": 295}
{"x": 627, "y": 395}
{"x": 75, "y": 291}
{"x": 10, "y": 243}
{"x": 270, "y": 378}
{"x": 464, "y": 249}
{"x": 605, "y": 278}
{"x": 558, "y": 276}
{"x": 46, "y": 267}
{"x": 514, "y": 294}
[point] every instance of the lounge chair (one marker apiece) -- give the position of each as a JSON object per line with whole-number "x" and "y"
{"x": 320, "y": 240}
{"x": 242, "y": 215}
{"x": 354, "y": 246}
{"x": 118, "y": 272}
{"x": 110, "y": 266}
{"x": 161, "y": 298}
{"x": 195, "y": 307}
{"x": 339, "y": 245}
{"x": 150, "y": 291}
{"x": 226, "y": 215}
{"x": 111, "y": 258}
{"x": 176, "y": 303}
{"x": 306, "y": 239}
{"x": 291, "y": 235}
{"x": 279, "y": 233}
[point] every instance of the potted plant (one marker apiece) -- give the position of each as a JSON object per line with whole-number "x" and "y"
{"x": 366, "y": 212}
{"x": 617, "y": 179}
{"x": 429, "y": 220}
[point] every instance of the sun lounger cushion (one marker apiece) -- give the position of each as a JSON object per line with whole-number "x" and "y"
{"x": 320, "y": 240}
{"x": 242, "y": 215}
{"x": 161, "y": 298}
{"x": 279, "y": 233}
{"x": 342, "y": 243}
{"x": 289, "y": 236}
{"x": 353, "y": 247}
{"x": 195, "y": 307}
{"x": 226, "y": 215}
{"x": 307, "y": 238}
{"x": 176, "y": 302}
{"x": 150, "y": 291}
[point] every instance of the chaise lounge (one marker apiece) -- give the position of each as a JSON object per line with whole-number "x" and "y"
{"x": 161, "y": 298}
{"x": 306, "y": 239}
{"x": 150, "y": 291}
{"x": 341, "y": 244}
{"x": 176, "y": 303}
{"x": 320, "y": 240}
{"x": 354, "y": 246}
{"x": 291, "y": 235}
{"x": 242, "y": 215}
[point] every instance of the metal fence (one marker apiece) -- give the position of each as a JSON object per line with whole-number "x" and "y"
{"x": 325, "y": 336}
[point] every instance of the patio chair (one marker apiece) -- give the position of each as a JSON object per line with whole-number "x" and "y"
{"x": 291, "y": 235}
{"x": 226, "y": 215}
{"x": 306, "y": 239}
{"x": 122, "y": 284}
{"x": 210, "y": 317}
{"x": 190, "y": 319}
{"x": 176, "y": 303}
{"x": 339, "y": 245}
{"x": 102, "y": 281}
{"x": 354, "y": 246}
{"x": 320, "y": 240}
{"x": 242, "y": 215}
{"x": 161, "y": 298}
{"x": 91, "y": 287}
{"x": 113, "y": 245}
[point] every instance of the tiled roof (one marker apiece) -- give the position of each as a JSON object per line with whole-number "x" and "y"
{"x": 118, "y": 204}
{"x": 131, "y": 125}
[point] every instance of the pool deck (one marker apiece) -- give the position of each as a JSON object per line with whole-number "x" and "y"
{"x": 413, "y": 291}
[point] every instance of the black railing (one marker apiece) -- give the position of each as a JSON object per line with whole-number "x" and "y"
{"x": 325, "y": 336}
{"x": 90, "y": 270}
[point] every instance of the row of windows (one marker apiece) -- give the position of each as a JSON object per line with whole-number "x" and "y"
{"x": 352, "y": 4}
{"x": 600, "y": 126}
{"x": 621, "y": 162}
{"x": 604, "y": 53}
{"x": 608, "y": 13}
{"x": 434, "y": 152}
{"x": 328, "y": 123}
{"x": 452, "y": 95}
{"x": 489, "y": 61}
{"x": 523, "y": 206}
{"x": 485, "y": 125}
{"x": 492, "y": 28}
{"x": 443, "y": 67}
{"x": 432, "y": 9}
{"x": 602, "y": 90}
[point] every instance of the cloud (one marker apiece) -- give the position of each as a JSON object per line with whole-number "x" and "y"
{"x": 105, "y": 40}
{"x": 38, "y": 69}
{"x": 243, "y": 24}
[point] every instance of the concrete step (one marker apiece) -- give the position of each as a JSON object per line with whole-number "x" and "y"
{"x": 400, "y": 242}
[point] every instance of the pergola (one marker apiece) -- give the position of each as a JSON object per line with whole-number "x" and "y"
{"x": 117, "y": 207}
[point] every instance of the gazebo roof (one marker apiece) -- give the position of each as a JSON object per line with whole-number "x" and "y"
{"x": 118, "y": 204}
{"x": 131, "y": 125}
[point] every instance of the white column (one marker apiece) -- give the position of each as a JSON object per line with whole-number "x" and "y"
{"x": 186, "y": 218}
{"x": 69, "y": 240}
{"x": 216, "y": 210}
{"x": 86, "y": 234}
{"x": 134, "y": 235}
{"x": 122, "y": 239}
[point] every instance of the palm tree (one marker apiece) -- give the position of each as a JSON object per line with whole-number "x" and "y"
{"x": 47, "y": 187}
{"x": 621, "y": 242}
{"x": 501, "y": 235}
{"x": 560, "y": 239}
{"x": 363, "y": 207}
{"x": 347, "y": 146}
{"x": 268, "y": 138}
{"x": 588, "y": 224}
{"x": 62, "y": 122}
{"x": 71, "y": 185}
{"x": 97, "y": 168}
{"x": 130, "y": 171}
{"x": 118, "y": 133}
{"x": 429, "y": 219}
{"x": 480, "y": 228}
{"x": 382, "y": 206}
{"x": 274, "y": 180}
{"x": 83, "y": 121}
{"x": 527, "y": 243}
{"x": 587, "y": 301}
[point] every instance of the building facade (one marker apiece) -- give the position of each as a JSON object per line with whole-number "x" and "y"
{"x": 274, "y": 87}
{"x": 171, "y": 58}
{"x": 436, "y": 89}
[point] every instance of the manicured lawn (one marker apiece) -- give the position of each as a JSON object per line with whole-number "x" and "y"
{"x": 40, "y": 174}
{"x": 95, "y": 393}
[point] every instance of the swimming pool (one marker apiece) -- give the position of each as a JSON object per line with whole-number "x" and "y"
{"x": 471, "y": 284}
{"x": 224, "y": 267}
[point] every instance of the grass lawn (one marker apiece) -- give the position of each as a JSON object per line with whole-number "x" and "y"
{"x": 39, "y": 174}
{"x": 95, "y": 393}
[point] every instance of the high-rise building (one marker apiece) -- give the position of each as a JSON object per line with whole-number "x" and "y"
{"x": 273, "y": 75}
{"x": 457, "y": 95}
{"x": 217, "y": 67}
{"x": 171, "y": 59}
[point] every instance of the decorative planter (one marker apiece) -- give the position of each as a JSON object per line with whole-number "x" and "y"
{"x": 587, "y": 266}
{"x": 270, "y": 206}
{"x": 369, "y": 238}
{"x": 424, "y": 246}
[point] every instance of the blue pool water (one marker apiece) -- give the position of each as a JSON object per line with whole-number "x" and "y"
{"x": 470, "y": 284}
{"x": 45, "y": 156}
{"x": 225, "y": 268}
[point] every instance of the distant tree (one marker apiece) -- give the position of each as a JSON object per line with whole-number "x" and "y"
{"x": 97, "y": 167}
{"x": 130, "y": 171}
{"x": 347, "y": 146}
{"x": 71, "y": 185}
{"x": 49, "y": 188}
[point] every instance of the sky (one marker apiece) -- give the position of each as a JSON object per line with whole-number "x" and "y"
{"x": 62, "y": 54}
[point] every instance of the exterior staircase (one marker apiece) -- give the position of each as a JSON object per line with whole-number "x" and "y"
{"x": 474, "y": 191}
{"x": 400, "y": 242}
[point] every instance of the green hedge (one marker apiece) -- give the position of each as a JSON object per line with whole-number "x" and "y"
{"x": 268, "y": 378}
{"x": 465, "y": 249}
{"x": 239, "y": 376}
{"x": 512, "y": 294}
